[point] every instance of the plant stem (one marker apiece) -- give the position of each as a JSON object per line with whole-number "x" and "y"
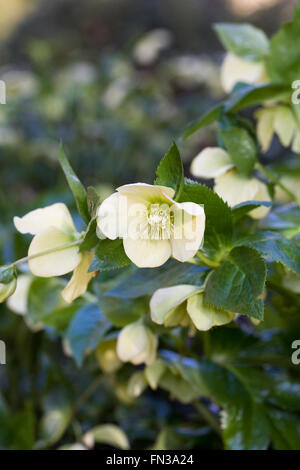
{"x": 207, "y": 261}
{"x": 208, "y": 416}
{"x": 275, "y": 179}
{"x": 46, "y": 252}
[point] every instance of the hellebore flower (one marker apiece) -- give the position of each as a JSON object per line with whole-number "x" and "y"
{"x": 182, "y": 305}
{"x": 234, "y": 69}
{"x": 56, "y": 237}
{"x": 137, "y": 344}
{"x": 153, "y": 226}
{"x": 281, "y": 120}
{"x": 214, "y": 162}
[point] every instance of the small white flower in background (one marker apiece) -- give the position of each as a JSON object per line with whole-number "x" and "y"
{"x": 234, "y": 69}
{"x": 153, "y": 226}
{"x": 214, "y": 162}
{"x": 53, "y": 227}
{"x": 19, "y": 83}
{"x": 107, "y": 357}
{"x": 281, "y": 120}
{"x": 18, "y": 301}
{"x": 137, "y": 344}
{"x": 183, "y": 304}
{"x": 290, "y": 181}
{"x": 6, "y": 290}
{"x": 148, "y": 48}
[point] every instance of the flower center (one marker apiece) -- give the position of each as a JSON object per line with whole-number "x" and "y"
{"x": 160, "y": 223}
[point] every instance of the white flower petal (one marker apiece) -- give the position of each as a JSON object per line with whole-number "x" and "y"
{"x": 166, "y": 299}
{"x": 146, "y": 193}
{"x": 201, "y": 316}
{"x": 189, "y": 227}
{"x": 18, "y": 301}
{"x": 147, "y": 253}
{"x": 235, "y": 189}
{"x": 137, "y": 344}
{"x": 35, "y": 222}
{"x": 57, "y": 263}
{"x": 234, "y": 69}
{"x": 211, "y": 162}
{"x": 80, "y": 279}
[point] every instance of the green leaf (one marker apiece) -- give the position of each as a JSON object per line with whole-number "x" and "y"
{"x": 60, "y": 318}
{"x": 218, "y": 226}
{"x": 283, "y": 63}
{"x": 44, "y": 297}
{"x": 241, "y": 147}
{"x": 145, "y": 281}
{"x": 86, "y": 330}
{"x": 275, "y": 246}
{"x": 75, "y": 185}
{"x": 236, "y": 285}
{"x": 251, "y": 95}
{"x": 121, "y": 312}
{"x": 108, "y": 434}
{"x": 285, "y": 429}
{"x": 7, "y": 274}
{"x": 23, "y": 424}
{"x": 208, "y": 118}
{"x": 109, "y": 254}
{"x": 244, "y": 208}
{"x": 170, "y": 170}
{"x": 243, "y": 40}
{"x": 93, "y": 201}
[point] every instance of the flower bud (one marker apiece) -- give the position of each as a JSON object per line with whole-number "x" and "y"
{"x": 136, "y": 344}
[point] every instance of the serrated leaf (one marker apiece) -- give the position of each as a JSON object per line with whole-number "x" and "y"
{"x": 75, "y": 185}
{"x": 243, "y": 40}
{"x": 208, "y": 118}
{"x": 275, "y": 246}
{"x": 86, "y": 330}
{"x": 244, "y": 208}
{"x": 93, "y": 200}
{"x": 109, "y": 254}
{"x": 236, "y": 285}
{"x": 170, "y": 170}
{"x": 218, "y": 225}
{"x": 90, "y": 239}
{"x": 241, "y": 147}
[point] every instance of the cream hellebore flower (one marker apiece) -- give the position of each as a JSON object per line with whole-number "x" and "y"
{"x": 214, "y": 162}
{"x": 281, "y": 120}
{"x": 153, "y": 226}
{"x": 137, "y": 344}
{"x": 235, "y": 69}
{"x": 53, "y": 227}
{"x": 182, "y": 305}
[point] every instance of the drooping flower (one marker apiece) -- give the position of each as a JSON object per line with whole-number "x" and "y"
{"x": 53, "y": 230}
{"x": 137, "y": 344}
{"x": 183, "y": 305}
{"x": 279, "y": 120}
{"x": 107, "y": 357}
{"x": 153, "y": 226}
{"x": 214, "y": 162}
{"x": 235, "y": 69}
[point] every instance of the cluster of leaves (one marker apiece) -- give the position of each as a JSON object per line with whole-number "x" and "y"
{"x": 242, "y": 372}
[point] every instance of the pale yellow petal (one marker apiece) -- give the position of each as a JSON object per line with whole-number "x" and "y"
{"x": 234, "y": 69}
{"x": 147, "y": 253}
{"x": 132, "y": 341}
{"x": 108, "y": 216}
{"x": 166, "y": 299}
{"x": 263, "y": 196}
{"x": 37, "y": 221}
{"x": 284, "y": 124}
{"x": 146, "y": 192}
{"x": 80, "y": 279}
{"x": 201, "y": 316}
{"x": 235, "y": 189}
{"x": 211, "y": 162}
{"x": 265, "y": 127}
{"x": 57, "y": 263}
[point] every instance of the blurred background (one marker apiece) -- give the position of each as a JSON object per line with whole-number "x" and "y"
{"x": 115, "y": 81}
